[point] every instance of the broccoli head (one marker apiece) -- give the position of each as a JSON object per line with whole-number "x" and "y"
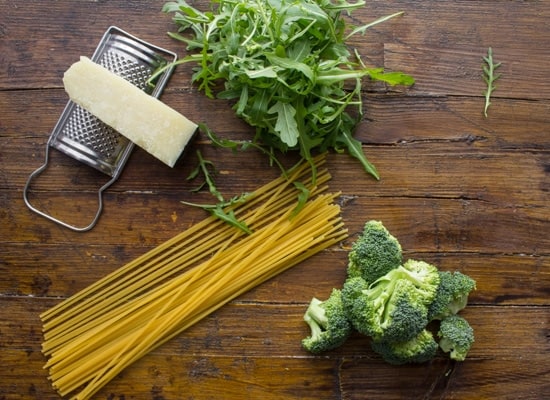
{"x": 328, "y": 322}
{"x": 452, "y": 294}
{"x": 456, "y": 337}
{"x": 393, "y": 302}
{"x": 395, "y": 306}
{"x": 374, "y": 253}
{"x": 419, "y": 349}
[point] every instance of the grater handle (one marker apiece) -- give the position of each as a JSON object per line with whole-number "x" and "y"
{"x": 41, "y": 169}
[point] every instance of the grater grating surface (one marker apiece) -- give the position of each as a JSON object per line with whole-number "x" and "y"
{"x": 82, "y": 136}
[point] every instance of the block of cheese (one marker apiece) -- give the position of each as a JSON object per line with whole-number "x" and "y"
{"x": 143, "y": 119}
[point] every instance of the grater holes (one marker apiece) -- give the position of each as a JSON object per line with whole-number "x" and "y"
{"x": 126, "y": 68}
{"x": 87, "y": 130}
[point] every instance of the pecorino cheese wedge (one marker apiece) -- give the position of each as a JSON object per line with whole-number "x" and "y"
{"x": 143, "y": 119}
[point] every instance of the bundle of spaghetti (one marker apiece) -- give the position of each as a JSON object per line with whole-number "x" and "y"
{"x": 168, "y": 259}
{"x": 94, "y": 335}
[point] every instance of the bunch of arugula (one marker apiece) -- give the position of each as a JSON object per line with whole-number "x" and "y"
{"x": 286, "y": 65}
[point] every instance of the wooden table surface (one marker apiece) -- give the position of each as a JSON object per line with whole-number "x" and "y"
{"x": 463, "y": 191}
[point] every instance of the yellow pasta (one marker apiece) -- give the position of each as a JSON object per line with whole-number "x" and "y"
{"x": 92, "y": 336}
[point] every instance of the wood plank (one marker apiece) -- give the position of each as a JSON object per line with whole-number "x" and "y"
{"x": 57, "y": 38}
{"x": 48, "y": 271}
{"x": 202, "y": 376}
{"x": 366, "y": 379}
{"x": 421, "y": 223}
{"x": 429, "y": 24}
{"x": 441, "y": 169}
{"x": 193, "y": 376}
{"x": 400, "y": 119}
{"x": 275, "y": 329}
{"x": 461, "y": 70}
{"x": 196, "y": 360}
{"x": 389, "y": 119}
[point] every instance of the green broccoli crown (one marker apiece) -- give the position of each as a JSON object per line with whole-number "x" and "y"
{"x": 452, "y": 294}
{"x": 456, "y": 337}
{"x": 391, "y": 308}
{"x": 359, "y": 307}
{"x": 424, "y": 279}
{"x": 419, "y": 349}
{"x": 374, "y": 253}
{"x": 398, "y": 314}
{"x": 393, "y": 303}
{"x": 328, "y": 322}
{"x": 424, "y": 276}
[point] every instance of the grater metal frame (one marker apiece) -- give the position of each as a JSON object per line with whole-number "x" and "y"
{"x": 82, "y": 136}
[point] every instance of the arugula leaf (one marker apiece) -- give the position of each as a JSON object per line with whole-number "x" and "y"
{"x": 286, "y": 125}
{"x": 490, "y": 76}
{"x": 221, "y": 211}
{"x": 303, "y": 196}
{"x": 230, "y": 218}
{"x": 355, "y": 148}
{"x": 205, "y": 166}
{"x": 286, "y": 66}
{"x": 392, "y": 78}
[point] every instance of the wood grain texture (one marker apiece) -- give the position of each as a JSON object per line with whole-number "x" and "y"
{"x": 459, "y": 190}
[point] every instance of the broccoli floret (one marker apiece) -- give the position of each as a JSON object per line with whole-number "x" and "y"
{"x": 383, "y": 311}
{"x": 424, "y": 276}
{"x": 395, "y": 306}
{"x": 328, "y": 322}
{"x": 353, "y": 297}
{"x": 452, "y": 294}
{"x": 456, "y": 337}
{"x": 374, "y": 253}
{"x": 419, "y": 349}
{"x": 406, "y": 314}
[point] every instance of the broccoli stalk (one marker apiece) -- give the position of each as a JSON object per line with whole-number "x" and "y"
{"x": 328, "y": 323}
{"x": 374, "y": 253}
{"x": 456, "y": 337}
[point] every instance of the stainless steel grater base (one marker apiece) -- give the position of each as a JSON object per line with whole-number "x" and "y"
{"x": 85, "y": 138}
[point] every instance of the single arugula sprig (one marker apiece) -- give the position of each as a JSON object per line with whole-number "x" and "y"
{"x": 286, "y": 66}
{"x": 490, "y": 76}
{"x": 221, "y": 209}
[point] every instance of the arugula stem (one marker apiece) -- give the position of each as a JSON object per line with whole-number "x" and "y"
{"x": 490, "y": 77}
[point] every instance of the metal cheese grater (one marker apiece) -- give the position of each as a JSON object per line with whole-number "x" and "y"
{"x": 85, "y": 138}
